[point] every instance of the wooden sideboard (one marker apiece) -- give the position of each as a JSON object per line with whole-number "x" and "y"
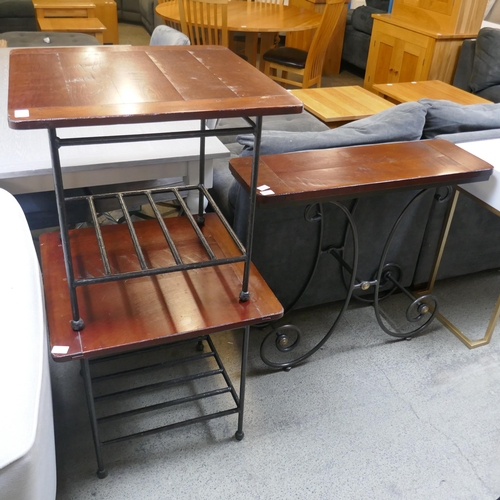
{"x": 421, "y": 40}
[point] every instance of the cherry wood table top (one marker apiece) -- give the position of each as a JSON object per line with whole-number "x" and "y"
{"x": 361, "y": 170}
{"x": 139, "y": 312}
{"x": 73, "y": 86}
{"x": 431, "y": 89}
{"x": 341, "y": 104}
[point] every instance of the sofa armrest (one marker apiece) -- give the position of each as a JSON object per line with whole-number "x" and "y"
{"x": 362, "y": 19}
{"x": 464, "y": 65}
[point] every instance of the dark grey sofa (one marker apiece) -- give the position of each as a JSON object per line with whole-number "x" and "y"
{"x": 358, "y": 32}
{"x": 478, "y": 67}
{"x": 285, "y": 244}
{"x": 17, "y": 15}
{"x": 140, "y": 12}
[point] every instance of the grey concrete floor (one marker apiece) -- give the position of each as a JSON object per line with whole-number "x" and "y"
{"x": 367, "y": 416}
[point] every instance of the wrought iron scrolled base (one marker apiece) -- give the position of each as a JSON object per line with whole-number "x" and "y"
{"x": 283, "y": 342}
{"x": 415, "y": 312}
{"x": 281, "y": 336}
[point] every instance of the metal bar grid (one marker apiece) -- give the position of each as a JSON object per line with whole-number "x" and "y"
{"x": 226, "y": 388}
{"x": 254, "y": 127}
{"x": 109, "y": 275}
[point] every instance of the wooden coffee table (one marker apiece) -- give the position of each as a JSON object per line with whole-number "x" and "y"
{"x": 432, "y": 89}
{"x": 338, "y": 105}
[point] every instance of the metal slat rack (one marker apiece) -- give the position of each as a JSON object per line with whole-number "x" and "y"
{"x": 254, "y": 127}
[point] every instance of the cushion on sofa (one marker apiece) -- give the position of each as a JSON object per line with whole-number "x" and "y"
{"x": 486, "y": 67}
{"x": 362, "y": 19}
{"x": 446, "y": 117}
{"x": 17, "y": 8}
{"x": 404, "y": 122}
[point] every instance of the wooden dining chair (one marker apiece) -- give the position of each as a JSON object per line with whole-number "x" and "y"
{"x": 170, "y": 24}
{"x": 308, "y": 65}
{"x": 204, "y": 21}
{"x": 274, "y": 2}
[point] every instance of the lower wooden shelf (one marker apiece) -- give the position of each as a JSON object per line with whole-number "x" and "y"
{"x": 136, "y": 313}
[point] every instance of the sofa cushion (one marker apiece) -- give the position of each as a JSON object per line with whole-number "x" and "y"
{"x": 491, "y": 93}
{"x": 404, "y": 122}
{"x": 446, "y": 117}
{"x": 165, "y": 35}
{"x": 47, "y": 39}
{"x": 486, "y": 67}
{"x": 379, "y": 4}
{"x": 17, "y": 8}
{"x": 362, "y": 19}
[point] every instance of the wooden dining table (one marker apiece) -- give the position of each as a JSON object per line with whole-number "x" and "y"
{"x": 254, "y": 19}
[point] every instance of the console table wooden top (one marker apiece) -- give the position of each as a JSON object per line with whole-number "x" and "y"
{"x": 363, "y": 170}
{"x": 72, "y": 86}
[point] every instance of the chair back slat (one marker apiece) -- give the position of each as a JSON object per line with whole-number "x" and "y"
{"x": 204, "y": 21}
{"x": 319, "y": 45}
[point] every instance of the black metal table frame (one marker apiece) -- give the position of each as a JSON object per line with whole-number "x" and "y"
{"x": 385, "y": 282}
{"x": 163, "y": 384}
{"x": 78, "y": 324}
{"x": 255, "y": 127}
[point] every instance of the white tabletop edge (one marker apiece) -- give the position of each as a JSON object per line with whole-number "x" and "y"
{"x": 486, "y": 191}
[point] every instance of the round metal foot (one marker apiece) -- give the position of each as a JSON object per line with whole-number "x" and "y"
{"x": 101, "y": 474}
{"x": 239, "y": 435}
{"x": 200, "y": 347}
{"x": 77, "y": 325}
{"x": 287, "y": 368}
{"x": 244, "y": 296}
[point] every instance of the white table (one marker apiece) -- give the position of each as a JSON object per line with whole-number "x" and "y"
{"x": 486, "y": 193}
{"x": 27, "y": 450}
{"x": 25, "y": 164}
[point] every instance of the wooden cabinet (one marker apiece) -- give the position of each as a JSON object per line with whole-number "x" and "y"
{"x": 396, "y": 55}
{"x": 421, "y": 40}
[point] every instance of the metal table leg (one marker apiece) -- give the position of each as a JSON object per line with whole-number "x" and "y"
{"x": 386, "y": 281}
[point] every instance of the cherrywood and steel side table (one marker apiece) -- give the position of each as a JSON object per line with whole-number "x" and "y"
{"x": 112, "y": 290}
{"x": 328, "y": 176}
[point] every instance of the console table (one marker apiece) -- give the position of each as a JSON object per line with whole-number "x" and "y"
{"x": 327, "y": 176}
{"x": 157, "y": 281}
